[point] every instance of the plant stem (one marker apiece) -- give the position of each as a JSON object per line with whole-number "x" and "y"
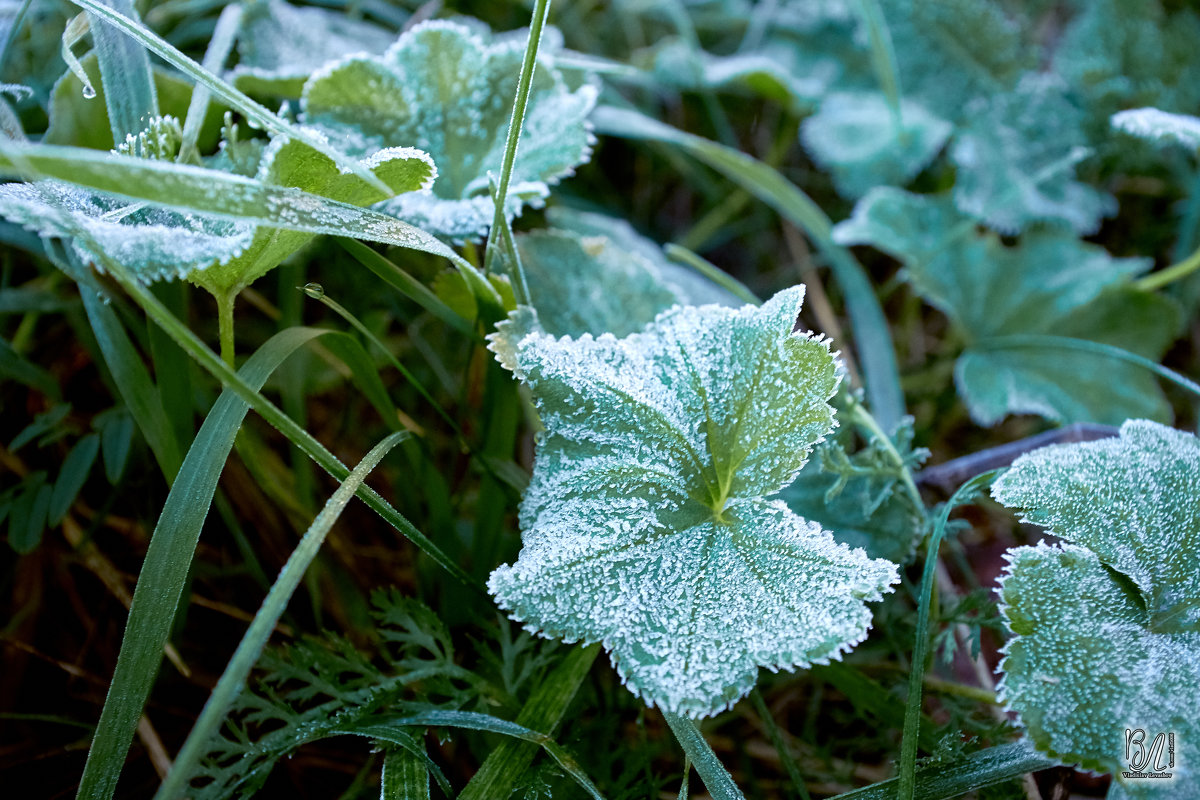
{"x": 541, "y": 10}
{"x": 862, "y": 417}
{"x": 1171, "y": 274}
{"x": 225, "y": 303}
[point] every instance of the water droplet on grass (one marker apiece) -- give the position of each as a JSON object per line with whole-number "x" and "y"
{"x": 314, "y": 290}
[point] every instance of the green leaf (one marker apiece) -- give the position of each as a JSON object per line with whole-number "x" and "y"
{"x": 405, "y": 776}
{"x": 716, "y": 778}
{"x": 280, "y": 45}
{"x": 1160, "y": 126}
{"x": 862, "y": 144}
{"x": 125, "y": 73}
{"x": 443, "y": 89}
{"x": 1106, "y": 625}
{"x": 1049, "y": 282}
{"x": 71, "y": 477}
{"x": 1016, "y": 157}
{"x": 589, "y": 284}
{"x": 647, "y": 525}
{"x": 116, "y": 438}
{"x": 14, "y": 366}
{"x": 27, "y": 514}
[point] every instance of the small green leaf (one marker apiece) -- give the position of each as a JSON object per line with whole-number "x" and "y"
{"x": 1106, "y": 626}
{"x": 647, "y": 523}
{"x": 443, "y": 89}
{"x": 27, "y": 515}
{"x": 857, "y": 138}
{"x": 280, "y": 45}
{"x": 71, "y": 476}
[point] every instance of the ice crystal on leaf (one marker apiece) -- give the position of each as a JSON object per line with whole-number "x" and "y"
{"x": 1107, "y": 625}
{"x": 443, "y": 89}
{"x": 647, "y": 524}
{"x": 280, "y": 45}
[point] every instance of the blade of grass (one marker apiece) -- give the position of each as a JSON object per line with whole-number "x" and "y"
{"x": 14, "y": 366}
{"x": 223, "y": 194}
{"x": 125, "y": 72}
{"x": 219, "y": 47}
{"x": 543, "y": 711}
{"x": 541, "y": 10}
{"x": 916, "y": 677}
{"x": 883, "y": 55}
{"x": 976, "y": 771}
{"x": 404, "y": 777}
{"x": 253, "y": 111}
{"x": 710, "y": 769}
{"x": 165, "y": 568}
{"x": 133, "y": 382}
{"x": 470, "y": 720}
{"x": 255, "y": 639}
{"x": 172, "y": 370}
{"x": 873, "y": 339}
{"x": 406, "y": 284}
{"x": 777, "y": 740}
{"x": 681, "y": 255}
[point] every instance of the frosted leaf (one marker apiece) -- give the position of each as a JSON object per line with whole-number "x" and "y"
{"x": 1159, "y": 126}
{"x": 280, "y": 45}
{"x": 647, "y": 524}
{"x": 690, "y": 287}
{"x": 1016, "y": 157}
{"x": 855, "y": 137}
{"x": 443, "y": 89}
{"x": 151, "y": 243}
{"x": 1107, "y": 625}
{"x": 287, "y": 162}
{"x": 220, "y": 254}
{"x": 1049, "y": 282}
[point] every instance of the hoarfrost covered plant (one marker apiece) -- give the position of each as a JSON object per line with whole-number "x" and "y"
{"x": 647, "y": 524}
{"x": 1107, "y": 624}
{"x": 441, "y": 88}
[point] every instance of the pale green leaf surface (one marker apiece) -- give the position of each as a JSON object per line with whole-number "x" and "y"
{"x": 446, "y": 91}
{"x": 1049, "y": 282}
{"x": 590, "y": 284}
{"x": 280, "y": 45}
{"x": 647, "y": 524}
{"x": 856, "y": 138}
{"x": 1016, "y": 157}
{"x": 1159, "y": 126}
{"x": 1107, "y": 625}
{"x": 692, "y": 288}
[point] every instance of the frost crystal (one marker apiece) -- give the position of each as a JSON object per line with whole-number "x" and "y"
{"x": 647, "y": 524}
{"x": 1161, "y": 126}
{"x": 442, "y": 89}
{"x": 1107, "y": 625}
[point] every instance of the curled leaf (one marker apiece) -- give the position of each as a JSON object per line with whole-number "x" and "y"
{"x": 1106, "y": 626}
{"x": 647, "y": 524}
{"x": 443, "y": 89}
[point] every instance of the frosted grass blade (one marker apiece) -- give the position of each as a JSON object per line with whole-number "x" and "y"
{"x": 253, "y": 111}
{"x": 256, "y": 636}
{"x": 231, "y": 196}
{"x": 873, "y": 340}
{"x": 710, "y": 769}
